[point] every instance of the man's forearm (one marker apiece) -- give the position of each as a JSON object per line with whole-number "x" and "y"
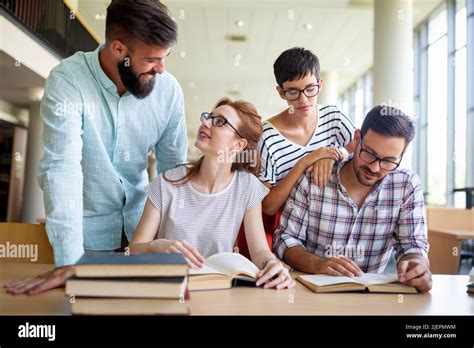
{"x": 301, "y": 260}
{"x": 64, "y": 214}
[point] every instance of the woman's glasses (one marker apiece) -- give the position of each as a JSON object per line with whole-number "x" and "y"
{"x": 218, "y": 121}
{"x": 293, "y": 94}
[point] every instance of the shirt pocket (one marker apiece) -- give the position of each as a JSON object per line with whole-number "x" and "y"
{"x": 378, "y": 222}
{"x": 385, "y": 215}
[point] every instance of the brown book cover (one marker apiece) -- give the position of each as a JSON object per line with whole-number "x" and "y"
{"x": 129, "y": 306}
{"x": 138, "y": 287}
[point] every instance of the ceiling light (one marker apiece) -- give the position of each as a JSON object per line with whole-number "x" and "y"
{"x": 236, "y": 38}
{"x": 239, "y": 23}
{"x": 308, "y": 26}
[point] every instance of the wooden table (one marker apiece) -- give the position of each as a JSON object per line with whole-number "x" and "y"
{"x": 445, "y": 248}
{"x": 448, "y": 297}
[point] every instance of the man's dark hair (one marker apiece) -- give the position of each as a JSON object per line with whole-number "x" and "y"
{"x": 147, "y": 21}
{"x": 389, "y": 121}
{"x": 294, "y": 64}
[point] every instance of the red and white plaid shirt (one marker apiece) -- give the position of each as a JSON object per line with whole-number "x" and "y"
{"x": 327, "y": 222}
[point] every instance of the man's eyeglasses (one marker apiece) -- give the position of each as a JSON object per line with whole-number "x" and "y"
{"x": 384, "y": 163}
{"x": 218, "y": 121}
{"x": 292, "y": 94}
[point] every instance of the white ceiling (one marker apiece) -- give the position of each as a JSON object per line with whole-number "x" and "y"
{"x": 341, "y": 36}
{"x": 16, "y": 81}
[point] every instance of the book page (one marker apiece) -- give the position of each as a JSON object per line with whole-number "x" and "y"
{"x": 232, "y": 264}
{"x": 205, "y": 269}
{"x": 323, "y": 280}
{"x": 378, "y": 278}
{"x": 366, "y": 279}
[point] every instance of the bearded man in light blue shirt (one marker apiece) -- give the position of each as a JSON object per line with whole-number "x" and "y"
{"x": 102, "y": 112}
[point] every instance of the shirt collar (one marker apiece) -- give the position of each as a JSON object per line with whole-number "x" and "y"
{"x": 99, "y": 74}
{"x": 336, "y": 171}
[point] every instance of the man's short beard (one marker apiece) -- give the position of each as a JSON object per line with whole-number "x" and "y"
{"x": 360, "y": 179}
{"x": 140, "y": 89}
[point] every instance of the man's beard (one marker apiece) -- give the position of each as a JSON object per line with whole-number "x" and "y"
{"x": 359, "y": 175}
{"x": 140, "y": 86}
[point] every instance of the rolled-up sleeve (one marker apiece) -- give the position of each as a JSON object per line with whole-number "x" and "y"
{"x": 171, "y": 149}
{"x": 411, "y": 235}
{"x": 345, "y": 130}
{"x": 267, "y": 169}
{"x": 294, "y": 219}
{"x": 60, "y": 173}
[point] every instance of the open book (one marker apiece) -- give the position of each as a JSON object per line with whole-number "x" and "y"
{"x": 371, "y": 282}
{"x": 222, "y": 271}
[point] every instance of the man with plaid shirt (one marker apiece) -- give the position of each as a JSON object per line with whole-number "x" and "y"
{"x": 367, "y": 209}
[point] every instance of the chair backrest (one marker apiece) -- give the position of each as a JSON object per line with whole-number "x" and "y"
{"x": 451, "y": 218}
{"x": 26, "y": 243}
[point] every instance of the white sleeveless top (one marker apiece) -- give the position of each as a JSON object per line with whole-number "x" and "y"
{"x": 209, "y": 222}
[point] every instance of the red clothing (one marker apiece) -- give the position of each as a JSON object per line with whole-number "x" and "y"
{"x": 270, "y": 224}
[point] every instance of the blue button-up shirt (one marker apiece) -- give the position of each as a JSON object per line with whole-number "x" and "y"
{"x": 96, "y": 143}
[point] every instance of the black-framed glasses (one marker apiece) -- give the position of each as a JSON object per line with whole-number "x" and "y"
{"x": 384, "y": 163}
{"x": 218, "y": 121}
{"x": 292, "y": 94}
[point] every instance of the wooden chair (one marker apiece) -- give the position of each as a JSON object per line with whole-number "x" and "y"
{"x": 447, "y": 229}
{"x": 25, "y": 243}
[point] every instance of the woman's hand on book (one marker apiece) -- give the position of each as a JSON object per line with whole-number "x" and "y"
{"x": 167, "y": 246}
{"x": 338, "y": 266}
{"x": 275, "y": 275}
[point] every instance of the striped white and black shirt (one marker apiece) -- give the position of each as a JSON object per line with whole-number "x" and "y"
{"x": 280, "y": 154}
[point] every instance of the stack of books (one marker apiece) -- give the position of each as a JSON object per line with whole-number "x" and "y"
{"x": 119, "y": 284}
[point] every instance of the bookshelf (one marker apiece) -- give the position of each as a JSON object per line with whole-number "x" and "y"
{"x": 13, "y": 141}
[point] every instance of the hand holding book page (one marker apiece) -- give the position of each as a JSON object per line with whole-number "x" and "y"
{"x": 166, "y": 246}
{"x": 369, "y": 281}
{"x": 229, "y": 264}
{"x": 222, "y": 271}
